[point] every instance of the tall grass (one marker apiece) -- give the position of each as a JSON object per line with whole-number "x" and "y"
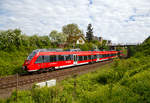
{"x": 11, "y": 62}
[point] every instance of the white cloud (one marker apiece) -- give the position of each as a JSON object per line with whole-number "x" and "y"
{"x": 117, "y": 20}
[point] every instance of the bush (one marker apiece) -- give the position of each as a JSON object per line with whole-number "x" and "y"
{"x": 111, "y": 94}
{"x": 11, "y": 63}
{"x": 140, "y": 84}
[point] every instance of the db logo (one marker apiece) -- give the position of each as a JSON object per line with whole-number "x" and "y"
{"x": 68, "y": 62}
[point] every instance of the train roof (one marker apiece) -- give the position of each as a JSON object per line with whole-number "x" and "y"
{"x": 69, "y": 52}
{"x": 48, "y": 50}
{"x": 75, "y": 52}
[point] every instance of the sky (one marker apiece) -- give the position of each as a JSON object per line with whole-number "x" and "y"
{"x": 122, "y": 21}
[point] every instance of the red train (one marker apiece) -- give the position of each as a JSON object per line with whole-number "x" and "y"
{"x": 45, "y": 60}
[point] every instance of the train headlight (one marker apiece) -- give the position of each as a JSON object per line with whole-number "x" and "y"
{"x": 23, "y": 67}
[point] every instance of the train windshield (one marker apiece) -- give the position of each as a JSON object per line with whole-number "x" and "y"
{"x": 31, "y": 55}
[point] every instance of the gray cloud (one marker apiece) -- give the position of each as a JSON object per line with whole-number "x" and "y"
{"x": 121, "y": 21}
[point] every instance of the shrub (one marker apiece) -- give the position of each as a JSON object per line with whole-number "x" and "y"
{"x": 140, "y": 84}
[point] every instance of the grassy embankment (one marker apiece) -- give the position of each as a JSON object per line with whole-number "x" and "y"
{"x": 11, "y": 62}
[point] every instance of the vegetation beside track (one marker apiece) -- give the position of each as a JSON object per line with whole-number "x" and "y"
{"x": 11, "y": 62}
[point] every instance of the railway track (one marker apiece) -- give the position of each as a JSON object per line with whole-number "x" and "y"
{"x": 12, "y": 81}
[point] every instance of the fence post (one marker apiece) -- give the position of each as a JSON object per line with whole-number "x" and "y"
{"x": 75, "y": 85}
{"x": 17, "y": 88}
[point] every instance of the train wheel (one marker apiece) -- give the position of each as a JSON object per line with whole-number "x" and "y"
{"x": 40, "y": 71}
{"x": 47, "y": 69}
{"x": 30, "y": 73}
{"x": 90, "y": 62}
{"x": 52, "y": 69}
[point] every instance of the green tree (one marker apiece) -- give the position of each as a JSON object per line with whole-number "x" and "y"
{"x": 58, "y": 37}
{"x": 71, "y": 29}
{"x": 89, "y": 33}
{"x": 10, "y": 39}
{"x": 45, "y": 41}
{"x": 103, "y": 46}
{"x": 53, "y": 35}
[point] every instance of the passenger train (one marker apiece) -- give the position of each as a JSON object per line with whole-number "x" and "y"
{"x": 48, "y": 59}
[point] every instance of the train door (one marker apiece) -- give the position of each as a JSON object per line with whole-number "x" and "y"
{"x": 39, "y": 62}
{"x": 42, "y": 64}
{"x": 97, "y": 58}
{"x": 75, "y": 59}
{"x": 61, "y": 60}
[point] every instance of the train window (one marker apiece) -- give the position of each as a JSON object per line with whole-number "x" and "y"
{"x": 31, "y": 55}
{"x": 71, "y": 57}
{"x": 85, "y": 58}
{"x": 89, "y": 56}
{"x": 39, "y": 59}
{"x": 75, "y": 57}
{"x": 100, "y": 56}
{"x": 103, "y": 55}
{"x": 95, "y": 56}
{"x": 80, "y": 58}
{"x": 61, "y": 58}
{"x": 68, "y": 57}
{"x": 46, "y": 58}
{"x": 92, "y": 56}
{"x": 53, "y": 58}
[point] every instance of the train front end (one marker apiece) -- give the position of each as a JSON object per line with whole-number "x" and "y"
{"x": 28, "y": 65}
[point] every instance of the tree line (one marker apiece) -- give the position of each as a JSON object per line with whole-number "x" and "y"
{"x": 11, "y": 40}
